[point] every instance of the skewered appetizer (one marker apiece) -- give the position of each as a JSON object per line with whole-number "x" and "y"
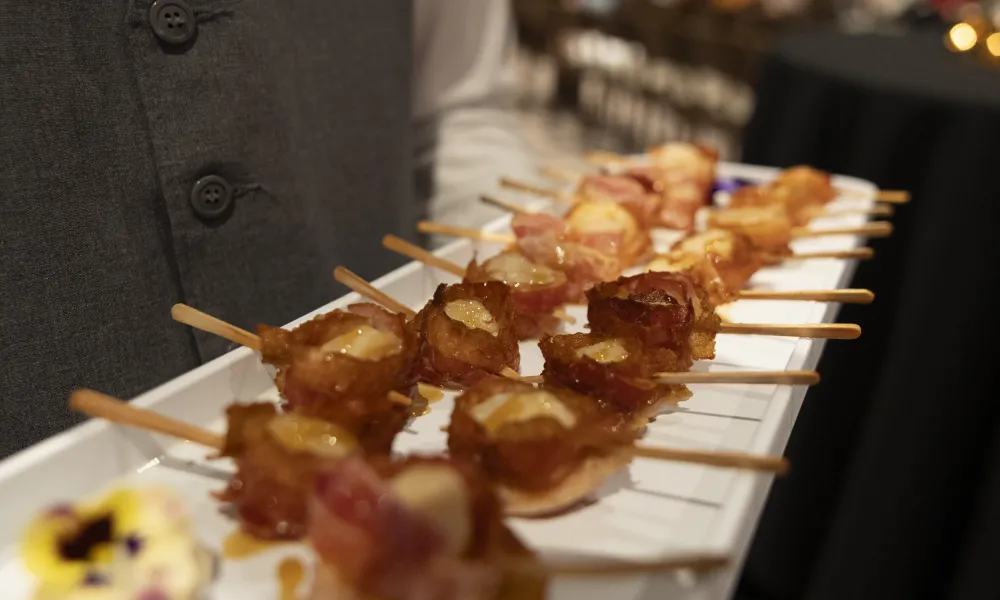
{"x": 277, "y": 457}
{"x": 614, "y": 371}
{"x": 635, "y": 194}
{"x": 718, "y": 260}
{"x": 415, "y": 528}
{"x": 466, "y": 333}
{"x": 684, "y": 175}
{"x": 341, "y": 366}
{"x": 594, "y": 242}
{"x": 131, "y": 543}
{"x": 545, "y": 448}
{"x": 800, "y": 191}
{"x": 670, "y": 315}
{"x": 537, "y": 290}
{"x": 768, "y": 227}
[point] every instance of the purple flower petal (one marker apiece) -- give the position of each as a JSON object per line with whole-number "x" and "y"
{"x": 730, "y": 184}
{"x": 133, "y": 544}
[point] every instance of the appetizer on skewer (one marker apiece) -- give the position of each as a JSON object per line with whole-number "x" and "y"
{"x": 545, "y": 448}
{"x": 616, "y": 371}
{"x": 466, "y": 333}
{"x": 342, "y": 366}
{"x": 670, "y": 315}
{"x": 419, "y": 527}
{"x": 277, "y": 457}
{"x": 538, "y": 291}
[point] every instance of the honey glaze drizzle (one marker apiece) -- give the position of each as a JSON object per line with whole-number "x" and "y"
{"x": 239, "y": 545}
{"x": 430, "y": 394}
{"x": 291, "y": 572}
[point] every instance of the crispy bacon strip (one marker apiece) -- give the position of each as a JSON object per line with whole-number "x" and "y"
{"x": 622, "y": 383}
{"x": 664, "y": 311}
{"x": 537, "y": 290}
{"x": 537, "y": 454}
{"x": 455, "y": 355}
{"x": 799, "y": 191}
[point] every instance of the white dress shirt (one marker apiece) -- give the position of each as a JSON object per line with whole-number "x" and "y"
{"x": 464, "y": 86}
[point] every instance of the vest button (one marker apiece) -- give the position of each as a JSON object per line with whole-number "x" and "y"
{"x": 211, "y": 196}
{"x": 172, "y": 21}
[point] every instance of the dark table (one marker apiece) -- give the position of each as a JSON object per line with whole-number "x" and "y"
{"x": 895, "y": 483}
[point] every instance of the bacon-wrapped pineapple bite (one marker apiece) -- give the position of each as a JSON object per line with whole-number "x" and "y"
{"x": 668, "y": 313}
{"x": 801, "y": 192}
{"x": 683, "y": 174}
{"x": 329, "y": 364}
{"x": 537, "y": 290}
{"x": 768, "y": 227}
{"x": 631, "y": 193}
{"x": 718, "y": 260}
{"x": 277, "y": 457}
{"x": 614, "y": 371}
{"x": 545, "y": 448}
{"x": 466, "y": 333}
{"x": 413, "y": 529}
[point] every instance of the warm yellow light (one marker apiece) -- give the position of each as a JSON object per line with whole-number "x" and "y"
{"x": 963, "y": 37}
{"x": 993, "y": 43}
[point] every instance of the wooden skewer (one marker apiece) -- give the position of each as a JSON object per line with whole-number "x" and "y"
{"x": 557, "y": 174}
{"x": 694, "y": 377}
{"x": 893, "y": 196}
{"x": 739, "y": 460}
{"x": 825, "y": 331}
{"x": 359, "y": 285}
{"x": 879, "y": 210}
{"x": 517, "y": 209}
{"x": 846, "y": 296}
{"x": 888, "y": 196}
{"x": 767, "y": 377}
{"x": 399, "y": 398}
{"x": 521, "y": 186}
{"x": 853, "y": 253}
{"x": 465, "y": 232}
{"x": 419, "y": 254}
{"x": 610, "y": 568}
{"x": 182, "y": 313}
{"x": 873, "y": 229}
{"x": 603, "y": 158}
{"x": 96, "y": 404}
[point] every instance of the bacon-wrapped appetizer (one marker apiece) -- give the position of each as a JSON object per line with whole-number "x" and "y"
{"x": 546, "y": 448}
{"x": 466, "y": 333}
{"x": 683, "y": 174}
{"x": 719, "y": 261}
{"x": 667, "y": 312}
{"x": 594, "y": 242}
{"x": 537, "y": 290}
{"x": 631, "y": 193}
{"x": 615, "y": 371}
{"x": 800, "y": 191}
{"x": 413, "y": 529}
{"x": 277, "y": 457}
{"x": 359, "y": 353}
{"x": 768, "y": 227}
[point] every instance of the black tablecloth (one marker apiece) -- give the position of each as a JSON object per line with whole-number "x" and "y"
{"x": 895, "y": 483}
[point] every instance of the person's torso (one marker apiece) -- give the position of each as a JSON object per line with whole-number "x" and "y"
{"x": 225, "y": 154}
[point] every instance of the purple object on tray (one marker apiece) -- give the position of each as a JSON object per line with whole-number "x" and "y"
{"x": 730, "y": 184}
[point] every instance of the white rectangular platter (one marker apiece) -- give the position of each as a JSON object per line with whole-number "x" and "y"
{"x": 654, "y": 510}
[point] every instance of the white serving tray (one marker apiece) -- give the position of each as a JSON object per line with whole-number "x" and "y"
{"x": 655, "y": 510}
